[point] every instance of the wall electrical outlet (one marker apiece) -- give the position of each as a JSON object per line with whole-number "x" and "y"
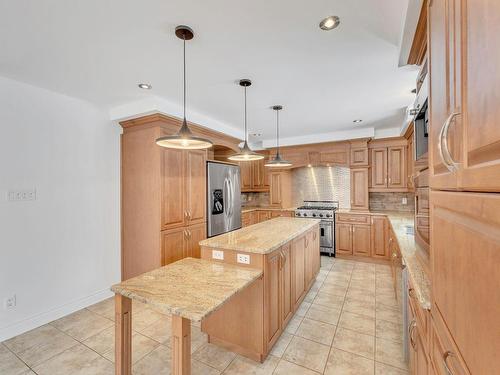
{"x": 22, "y": 195}
{"x": 217, "y": 254}
{"x": 10, "y": 302}
{"x": 404, "y": 200}
{"x": 243, "y": 258}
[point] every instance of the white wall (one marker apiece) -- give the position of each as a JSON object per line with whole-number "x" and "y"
{"x": 60, "y": 252}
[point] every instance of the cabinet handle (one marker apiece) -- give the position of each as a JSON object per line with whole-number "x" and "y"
{"x": 185, "y": 234}
{"x": 189, "y": 233}
{"x": 394, "y": 255}
{"x": 445, "y": 361}
{"x": 443, "y": 148}
{"x": 411, "y": 293}
{"x": 390, "y": 180}
{"x": 412, "y": 327}
{"x": 189, "y": 215}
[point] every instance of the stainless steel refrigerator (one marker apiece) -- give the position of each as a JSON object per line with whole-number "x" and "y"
{"x": 223, "y": 198}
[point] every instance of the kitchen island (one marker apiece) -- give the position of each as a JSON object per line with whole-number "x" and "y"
{"x": 189, "y": 289}
{"x": 286, "y": 250}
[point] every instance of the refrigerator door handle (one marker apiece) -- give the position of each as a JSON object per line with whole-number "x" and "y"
{"x": 231, "y": 193}
{"x": 228, "y": 197}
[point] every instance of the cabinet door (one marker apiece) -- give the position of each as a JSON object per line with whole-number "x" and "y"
{"x": 195, "y": 185}
{"x": 465, "y": 254}
{"x": 359, "y": 156}
{"x": 308, "y": 259}
{"x": 275, "y": 192}
{"x": 298, "y": 271}
{"x": 263, "y": 215}
{"x": 246, "y": 175}
{"x": 173, "y": 210}
{"x": 195, "y": 234}
{"x": 396, "y": 168}
{"x": 410, "y": 163}
{"x": 443, "y": 80}
{"x": 272, "y": 295}
{"x": 173, "y": 244}
{"x": 481, "y": 95}
{"x": 379, "y": 167}
{"x": 361, "y": 242}
{"x": 379, "y": 237}
{"x": 315, "y": 251}
{"x": 258, "y": 182}
{"x": 286, "y": 285}
{"x": 343, "y": 238}
{"x": 359, "y": 189}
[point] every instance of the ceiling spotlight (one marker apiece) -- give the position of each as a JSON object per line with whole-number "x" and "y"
{"x": 145, "y": 86}
{"x": 414, "y": 91}
{"x": 357, "y": 121}
{"x": 329, "y": 23}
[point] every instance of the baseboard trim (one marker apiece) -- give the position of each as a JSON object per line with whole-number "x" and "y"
{"x": 40, "y": 319}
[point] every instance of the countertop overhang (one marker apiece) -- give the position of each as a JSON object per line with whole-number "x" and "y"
{"x": 261, "y": 238}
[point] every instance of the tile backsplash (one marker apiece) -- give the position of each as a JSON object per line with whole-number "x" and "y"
{"x": 392, "y": 202}
{"x": 321, "y": 183}
{"x": 254, "y": 199}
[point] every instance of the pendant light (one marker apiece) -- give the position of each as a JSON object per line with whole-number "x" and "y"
{"x": 246, "y": 154}
{"x": 184, "y": 139}
{"x": 277, "y": 161}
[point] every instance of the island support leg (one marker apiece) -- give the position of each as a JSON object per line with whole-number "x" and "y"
{"x": 181, "y": 346}
{"x": 123, "y": 335}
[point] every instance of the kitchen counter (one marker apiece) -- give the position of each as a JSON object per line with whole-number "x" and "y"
{"x": 264, "y": 208}
{"x": 261, "y": 238}
{"x": 399, "y": 220}
{"x": 190, "y": 288}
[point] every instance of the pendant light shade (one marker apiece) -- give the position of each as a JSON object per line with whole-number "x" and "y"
{"x": 184, "y": 139}
{"x": 277, "y": 161}
{"x": 245, "y": 154}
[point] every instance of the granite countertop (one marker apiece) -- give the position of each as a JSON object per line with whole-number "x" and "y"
{"x": 264, "y": 208}
{"x": 399, "y": 220}
{"x": 191, "y": 288}
{"x": 261, "y": 238}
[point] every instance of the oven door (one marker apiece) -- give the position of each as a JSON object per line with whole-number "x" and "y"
{"x": 326, "y": 234}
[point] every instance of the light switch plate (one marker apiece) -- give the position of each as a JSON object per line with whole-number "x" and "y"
{"x": 217, "y": 254}
{"x": 243, "y": 258}
{"x": 404, "y": 200}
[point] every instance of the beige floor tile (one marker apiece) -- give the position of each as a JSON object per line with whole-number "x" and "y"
{"x": 40, "y": 344}
{"x": 307, "y": 353}
{"x": 143, "y": 318}
{"x": 356, "y": 322}
{"x": 361, "y": 284}
{"x": 366, "y": 308}
{"x": 389, "y": 330}
{"x": 323, "y": 314}
{"x": 293, "y": 324}
{"x": 288, "y": 368}
{"x": 214, "y": 356}
{"x": 160, "y": 330}
{"x": 279, "y": 348}
{"x": 329, "y": 300}
{"x": 310, "y": 296}
{"x": 316, "y": 331}
{"x": 104, "y": 308}
{"x": 388, "y": 300}
{"x": 345, "y": 363}
{"x": 354, "y": 342}
{"x": 79, "y": 360}
{"x": 390, "y": 352}
{"x": 361, "y": 295}
{"x": 10, "y": 364}
{"x": 156, "y": 362}
{"x": 334, "y": 290}
{"x": 198, "y": 339}
{"x": 302, "y": 310}
{"x": 82, "y": 324}
{"x": 383, "y": 369}
{"x": 389, "y": 314}
{"x": 244, "y": 366}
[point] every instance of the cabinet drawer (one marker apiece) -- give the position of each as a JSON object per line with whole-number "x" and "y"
{"x": 422, "y": 221}
{"x": 350, "y": 218}
{"x": 445, "y": 356}
{"x": 421, "y": 315}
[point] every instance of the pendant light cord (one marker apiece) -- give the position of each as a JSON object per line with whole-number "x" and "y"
{"x": 246, "y": 135}
{"x": 277, "y": 132}
{"x": 184, "y": 63}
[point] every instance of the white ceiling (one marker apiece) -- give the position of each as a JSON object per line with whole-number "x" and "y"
{"x": 98, "y": 50}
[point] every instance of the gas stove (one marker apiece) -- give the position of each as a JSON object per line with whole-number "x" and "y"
{"x": 324, "y": 210}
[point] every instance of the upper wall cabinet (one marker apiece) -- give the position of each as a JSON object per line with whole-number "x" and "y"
{"x": 388, "y": 166}
{"x": 254, "y": 176}
{"x": 359, "y": 189}
{"x": 464, "y": 55}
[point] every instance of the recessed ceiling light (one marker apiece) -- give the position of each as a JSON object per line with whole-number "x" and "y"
{"x": 414, "y": 91}
{"x": 329, "y": 23}
{"x": 145, "y": 86}
{"x": 357, "y": 121}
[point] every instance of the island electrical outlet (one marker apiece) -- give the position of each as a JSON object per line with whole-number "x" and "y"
{"x": 243, "y": 258}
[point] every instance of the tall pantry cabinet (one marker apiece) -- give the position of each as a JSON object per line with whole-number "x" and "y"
{"x": 464, "y": 155}
{"x": 162, "y": 194}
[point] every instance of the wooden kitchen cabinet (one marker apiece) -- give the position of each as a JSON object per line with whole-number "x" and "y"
{"x": 465, "y": 87}
{"x": 298, "y": 269}
{"x": 273, "y": 296}
{"x": 379, "y": 237}
{"x": 359, "y": 189}
{"x": 361, "y": 240}
{"x": 280, "y": 194}
{"x": 286, "y": 284}
{"x": 246, "y": 173}
{"x": 465, "y": 243}
{"x": 184, "y": 197}
{"x": 343, "y": 239}
{"x": 379, "y": 168}
{"x": 396, "y": 167}
{"x": 182, "y": 242}
{"x": 388, "y": 166}
{"x": 419, "y": 363}
{"x": 254, "y": 176}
